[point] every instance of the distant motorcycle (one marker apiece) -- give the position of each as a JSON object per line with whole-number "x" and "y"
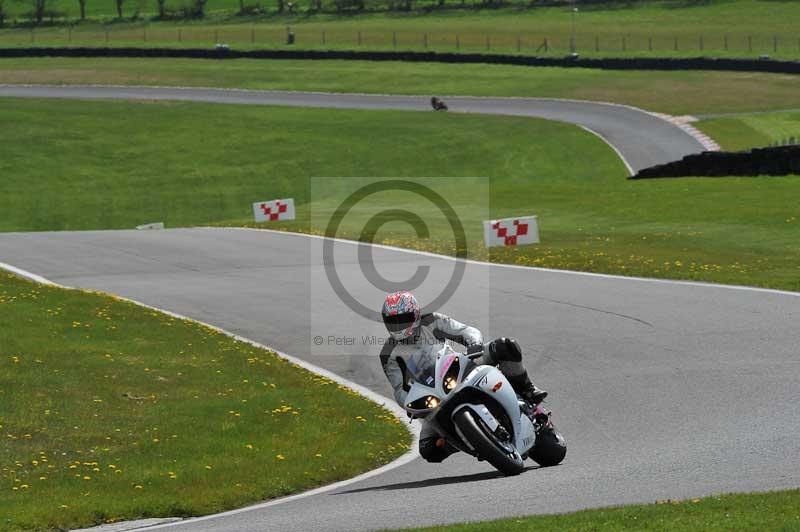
{"x": 475, "y": 409}
{"x": 438, "y": 104}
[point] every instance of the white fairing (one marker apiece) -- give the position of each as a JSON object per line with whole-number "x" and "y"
{"x": 492, "y": 381}
{"x": 427, "y": 382}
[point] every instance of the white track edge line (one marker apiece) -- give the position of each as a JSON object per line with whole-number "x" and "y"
{"x": 389, "y": 404}
{"x": 700, "y": 284}
{"x": 628, "y": 167}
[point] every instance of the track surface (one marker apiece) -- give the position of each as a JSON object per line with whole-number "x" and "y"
{"x": 642, "y": 139}
{"x": 662, "y": 389}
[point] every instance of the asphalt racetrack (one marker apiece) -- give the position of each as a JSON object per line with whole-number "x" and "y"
{"x": 662, "y": 389}
{"x": 642, "y": 139}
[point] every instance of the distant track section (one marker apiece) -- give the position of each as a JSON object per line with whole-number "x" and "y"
{"x": 640, "y": 138}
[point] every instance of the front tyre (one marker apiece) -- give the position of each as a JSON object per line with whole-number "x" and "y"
{"x": 550, "y": 448}
{"x": 502, "y": 455}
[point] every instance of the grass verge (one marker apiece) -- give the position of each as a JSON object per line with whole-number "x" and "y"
{"x": 111, "y": 411}
{"x": 194, "y": 164}
{"x": 744, "y": 28}
{"x": 752, "y": 512}
{"x": 669, "y": 92}
{"x": 745, "y": 131}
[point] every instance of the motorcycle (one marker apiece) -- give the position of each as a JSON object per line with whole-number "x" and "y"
{"x": 475, "y": 409}
{"x": 438, "y": 104}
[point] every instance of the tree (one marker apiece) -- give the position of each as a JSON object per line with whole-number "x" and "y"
{"x": 2, "y": 13}
{"x": 280, "y": 6}
{"x": 119, "y": 7}
{"x": 199, "y": 8}
{"x": 82, "y": 3}
{"x": 39, "y": 9}
{"x": 162, "y": 8}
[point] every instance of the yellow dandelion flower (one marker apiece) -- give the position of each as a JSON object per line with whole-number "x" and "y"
{"x": 280, "y": 457}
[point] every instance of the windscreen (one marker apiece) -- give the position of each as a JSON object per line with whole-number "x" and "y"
{"x": 421, "y": 366}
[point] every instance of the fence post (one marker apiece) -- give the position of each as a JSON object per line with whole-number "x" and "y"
{"x": 519, "y": 44}
{"x": 359, "y": 38}
{"x": 69, "y": 34}
{"x": 458, "y": 43}
{"x": 624, "y": 44}
{"x": 106, "y": 35}
{"x": 650, "y": 43}
{"x": 425, "y": 41}
{"x": 144, "y": 34}
{"x": 596, "y": 43}
{"x": 394, "y": 39}
{"x": 33, "y": 37}
{"x": 179, "y": 35}
{"x": 546, "y": 45}
{"x": 676, "y": 44}
{"x": 488, "y": 43}
{"x": 323, "y": 37}
{"x": 252, "y": 35}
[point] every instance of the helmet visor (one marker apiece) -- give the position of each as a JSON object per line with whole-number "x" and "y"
{"x": 399, "y": 322}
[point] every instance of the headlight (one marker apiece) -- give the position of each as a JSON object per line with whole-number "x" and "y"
{"x": 450, "y": 379}
{"x": 424, "y": 403}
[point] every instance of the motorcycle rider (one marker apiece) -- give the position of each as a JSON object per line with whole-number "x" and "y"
{"x": 410, "y": 331}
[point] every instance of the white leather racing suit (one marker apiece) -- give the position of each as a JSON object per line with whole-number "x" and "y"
{"x": 433, "y": 330}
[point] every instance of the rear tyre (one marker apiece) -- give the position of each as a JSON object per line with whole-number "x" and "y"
{"x": 550, "y": 448}
{"x": 502, "y": 455}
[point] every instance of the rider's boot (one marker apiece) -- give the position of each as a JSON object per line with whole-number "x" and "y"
{"x": 526, "y": 389}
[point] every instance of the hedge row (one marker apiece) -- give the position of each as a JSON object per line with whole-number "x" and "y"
{"x": 781, "y": 160}
{"x": 695, "y": 63}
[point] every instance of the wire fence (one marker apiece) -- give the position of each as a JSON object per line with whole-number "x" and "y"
{"x": 272, "y": 37}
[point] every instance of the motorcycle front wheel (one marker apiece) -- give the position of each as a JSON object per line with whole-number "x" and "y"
{"x": 502, "y": 455}
{"x": 550, "y": 448}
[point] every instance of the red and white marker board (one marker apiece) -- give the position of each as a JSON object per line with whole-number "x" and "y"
{"x": 274, "y": 210}
{"x": 511, "y": 231}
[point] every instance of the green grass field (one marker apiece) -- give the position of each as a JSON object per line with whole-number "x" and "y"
{"x": 102, "y": 175}
{"x": 111, "y": 411}
{"x": 747, "y": 512}
{"x": 744, "y": 131}
{"x": 676, "y": 28}
{"x": 669, "y": 92}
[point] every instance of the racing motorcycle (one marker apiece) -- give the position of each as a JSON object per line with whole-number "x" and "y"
{"x": 475, "y": 409}
{"x": 438, "y": 104}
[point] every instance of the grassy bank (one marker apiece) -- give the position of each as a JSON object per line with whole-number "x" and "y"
{"x": 721, "y": 28}
{"x": 189, "y": 164}
{"x": 745, "y": 131}
{"x": 110, "y": 411}
{"x": 751, "y": 512}
{"x": 670, "y": 92}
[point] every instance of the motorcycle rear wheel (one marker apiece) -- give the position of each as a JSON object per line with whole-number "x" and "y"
{"x": 487, "y": 445}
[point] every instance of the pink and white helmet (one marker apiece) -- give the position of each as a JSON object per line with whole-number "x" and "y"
{"x": 401, "y": 314}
